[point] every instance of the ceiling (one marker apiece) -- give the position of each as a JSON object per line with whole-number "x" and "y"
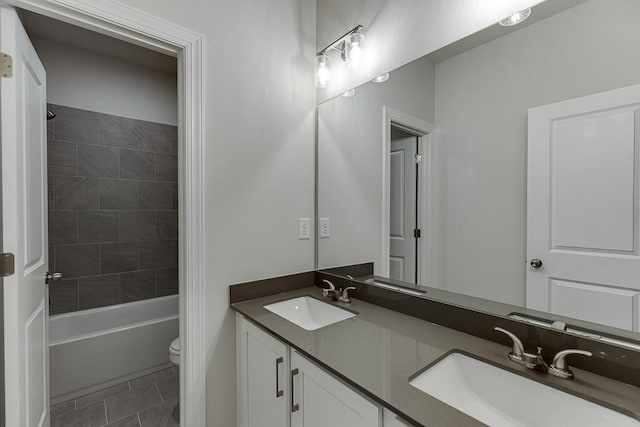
{"x": 39, "y": 26}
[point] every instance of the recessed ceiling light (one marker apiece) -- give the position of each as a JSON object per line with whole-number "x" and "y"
{"x": 349, "y": 93}
{"x": 516, "y": 18}
{"x": 381, "y": 78}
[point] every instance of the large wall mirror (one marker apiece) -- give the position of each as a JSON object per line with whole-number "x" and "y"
{"x": 501, "y": 170}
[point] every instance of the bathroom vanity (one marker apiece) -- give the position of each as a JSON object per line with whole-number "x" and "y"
{"x": 366, "y": 370}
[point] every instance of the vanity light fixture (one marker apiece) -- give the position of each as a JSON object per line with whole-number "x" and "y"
{"x": 350, "y": 45}
{"x": 381, "y": 78}
{"x": 516, "y": 18}
{"x": 349, "y": 93}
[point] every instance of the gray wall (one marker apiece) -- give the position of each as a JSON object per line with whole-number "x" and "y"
{"x": 482, "y": 98}
{"x": 93, "y": 81}
{"x": 113, "y": 200}
{"x": 350, "y": 161}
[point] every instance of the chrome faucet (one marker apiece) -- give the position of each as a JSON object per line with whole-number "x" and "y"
{"x": 331, "y": 292}
{"x": 559, "y": 366}
{"x": 341, "y": 295}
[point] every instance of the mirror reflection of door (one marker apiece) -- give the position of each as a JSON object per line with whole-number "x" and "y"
{"x": 403, "y": 215}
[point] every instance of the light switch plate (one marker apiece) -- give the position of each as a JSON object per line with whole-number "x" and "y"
{"x": 325, "y": 228}
{"x": 304, "y": 228}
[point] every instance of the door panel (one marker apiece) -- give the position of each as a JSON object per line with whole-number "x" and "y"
{"x": 402, "y": 215}
{"x": 324, "y": 401}
{"x": 262, "y": 378}
{"x": 24, "y": 205}
{"x": 583, "y": 208}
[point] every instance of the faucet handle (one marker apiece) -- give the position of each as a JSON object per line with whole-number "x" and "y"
{"x": 559, "y": 366}
{"x": 518, "y": 349}
{"x": 345, "y": 294}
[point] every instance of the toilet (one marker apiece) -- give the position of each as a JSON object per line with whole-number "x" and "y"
{"x": 174, "y": 351}
{"x": 174, "y": 357}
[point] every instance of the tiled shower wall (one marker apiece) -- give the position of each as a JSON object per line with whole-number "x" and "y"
{"x": 113, "y": 200}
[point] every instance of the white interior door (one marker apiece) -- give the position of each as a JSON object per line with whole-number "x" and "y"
{"x": 583, "y": 211}
{"x": 403, "y": 202}
{"x": 24, "y": 205}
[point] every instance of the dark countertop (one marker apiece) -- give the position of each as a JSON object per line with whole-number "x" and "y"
{"x": 379, "y": 349}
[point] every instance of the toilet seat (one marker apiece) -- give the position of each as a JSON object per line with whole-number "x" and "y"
{"x": 174, "y": 351}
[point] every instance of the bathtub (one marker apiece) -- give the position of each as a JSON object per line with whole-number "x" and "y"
{"x": 93, "y": 349}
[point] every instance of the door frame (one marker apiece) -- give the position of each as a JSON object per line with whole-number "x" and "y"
{"x": 423, "y": 130}
{"x": 134, "y": 26}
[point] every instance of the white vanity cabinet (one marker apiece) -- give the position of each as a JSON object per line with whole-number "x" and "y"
{"x": 320, "y": 400}
{"x": 263, "y": 380}
{"x": 277, "y": 391}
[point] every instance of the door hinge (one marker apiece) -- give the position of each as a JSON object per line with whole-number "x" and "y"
{"x": 416, "y": 233}
{"x": 7, "y": 264}
{"x": 418, "y": 158}
{"x": 6, "y": 65}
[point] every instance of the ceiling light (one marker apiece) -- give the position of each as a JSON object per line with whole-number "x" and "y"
{"x": 349, "y": 93}
{"x": 381, "y": 78}
{"x": 516, "y": 18}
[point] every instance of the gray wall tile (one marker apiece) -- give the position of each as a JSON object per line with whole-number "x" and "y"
{"x": 77, "y": 260}
{"x": 72, "y": 124}
{"x": 97, "y": 226}
{"x": 62, "y": 158}
{"x": 166, "y": 167}
{"x": 63, "y": 227}
{"x": 118, "y": 257}
{"x": 166, "y": 283}
{"x": 167, "y": 225}
{"x": 155, "y": 254}
{"x": 116, "y": 194}
{"x": 174, "y": 197}
{"x": 98, "y": 291}
{"x": 137, "y": 286}
{"x": 74, "y": 193}
{"x": 137, "y": 225}
{"x": 174, "y": 253}
{"x": 102, "y": 162}
{"x": 118, "y": 131}
{"x": 157, "y": 137}
{"x": 137, "y": 165}
{"x": 154, "y": 195}
{"x": 103, "y": 225}
{"x": 63, "y": 296}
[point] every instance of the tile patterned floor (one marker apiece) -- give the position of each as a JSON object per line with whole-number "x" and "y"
{"x": 146, "y": 401}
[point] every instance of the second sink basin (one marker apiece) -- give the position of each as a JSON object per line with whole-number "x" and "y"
{"x": 309, "y": 313}
{"x": 499, "y": 398}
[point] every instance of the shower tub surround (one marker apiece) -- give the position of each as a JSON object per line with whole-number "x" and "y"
{"x": 113, "y": 200}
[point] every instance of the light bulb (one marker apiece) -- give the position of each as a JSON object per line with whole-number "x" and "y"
{"x": 381, "y": 78}
{"x": 354, "y": 50}
{"x": 516, "y": 18}
{"x": 322, "y": 71}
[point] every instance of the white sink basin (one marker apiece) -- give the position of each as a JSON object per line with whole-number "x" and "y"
{"x": 498, "y": 398}
{"x": 309, "y": 313}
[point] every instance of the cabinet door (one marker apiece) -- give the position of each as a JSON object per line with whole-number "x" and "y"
{"x": 263, "y": 364}
{"x": 320, "y": 400}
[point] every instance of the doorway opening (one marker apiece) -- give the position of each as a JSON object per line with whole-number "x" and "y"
{"x": 407, "y": 197}
{"x": 113, "y": 183}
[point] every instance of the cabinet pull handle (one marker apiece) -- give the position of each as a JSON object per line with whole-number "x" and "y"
{"x": 294, "y": 406}
{"x": 279, "y": 392}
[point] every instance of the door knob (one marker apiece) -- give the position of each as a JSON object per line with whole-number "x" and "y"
{"x": 535, "y": 262}
{"x": 52, "y": 277}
